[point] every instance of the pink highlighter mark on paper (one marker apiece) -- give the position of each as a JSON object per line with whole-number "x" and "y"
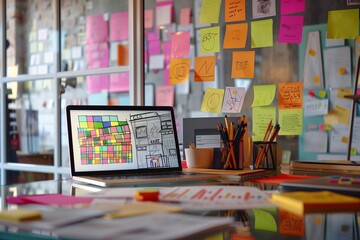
{"x": 291, "y": 29}
{"x": 292, "y": 6}
{"x": 180, "y": 46}
{"x": 119, "y": 26}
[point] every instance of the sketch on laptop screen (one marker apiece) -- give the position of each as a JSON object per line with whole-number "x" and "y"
{"x": 128, "y": 140}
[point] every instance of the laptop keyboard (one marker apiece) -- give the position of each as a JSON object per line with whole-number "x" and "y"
{"x": 115, "y": 177}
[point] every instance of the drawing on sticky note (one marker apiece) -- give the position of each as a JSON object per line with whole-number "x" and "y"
{"x": 233, "y": 100}
{"x": 236, "y": 35}
{"x": 204, "y": 69}
{"x": 208, "y": 41}
{"x": 264, "y": 6}
{"x": 241, "y": 65}
{"x": 212, "y": 101}
{"x": 179, "y": 70}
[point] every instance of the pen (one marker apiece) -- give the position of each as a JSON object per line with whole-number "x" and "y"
{"x": 267, "y": 132}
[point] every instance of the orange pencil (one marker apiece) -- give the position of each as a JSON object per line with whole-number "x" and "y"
{"x": 267, "y": 131}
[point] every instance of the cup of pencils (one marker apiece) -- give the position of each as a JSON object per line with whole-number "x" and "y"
{"x": 232, "y": 144}
{"x": 264, "y": 152}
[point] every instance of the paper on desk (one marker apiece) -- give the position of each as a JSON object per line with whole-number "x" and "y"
{"x": 49, "y": 199}
{"x": 156, "y": 226}
{"x": 216, "y": 197}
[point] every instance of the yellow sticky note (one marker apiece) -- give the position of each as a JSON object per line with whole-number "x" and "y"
{"x": 316, "y": 79}
{"x": 212, "y": 100}
{"x": 210, "y": 40}
{"x": 343, "y": 24}
{"x": 331, "y": 119}
{"x": 290, "y": 121}
{"x": 179, "y": 70}
{"x": 312, "y": 52}
{"x": 342, "y": 70}
{"x": 264, "y": 94}
{"x": 344, "y": 139}
{"x": 262, "y": 33}
{"x": 358, "y": 39}
{"x": 264, "y": 221}
{"x": 343, "y": 92}
{"x": 235, "y": 35}
{"x": 20, "y": 215}
{"x": 243, "y": 64}
{"x": 353, "y": 151}
{"x": 322, "y": 94}
{"x": 327, "y": 127}
{"x": 204, "y": 69}
{"x": 260, "y": 121}
{"x": 343, "y": 114}
{"x": 209, "y": 12}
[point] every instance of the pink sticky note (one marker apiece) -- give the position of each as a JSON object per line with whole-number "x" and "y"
{"x": 97, "y": 83}
{"x": 49, "y": 199}
{"x": 358, "y": 91}
{"x": 119, "y": 26}
{"x": 185, "y": 16}
{"x": 164, "y": 13}
{"x": 119, "y": 82}
{"x": 154, "y": 47}
{"x": 97, "y": 55}
{"x": 154, "y": 35}
{"x": 96, "y": 29}
{"x": 149, "y": 18}
{"x": 166, "y": 76}
{"x": 167, "y": 51}
{"x": 165, "y": 95}
{"x": 146, "y": 56}
{"x": 291, "y": 29}
{"x": 180, "y": 45}
{"x": 292, "y": 6}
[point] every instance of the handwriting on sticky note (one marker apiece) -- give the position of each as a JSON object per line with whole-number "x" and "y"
{"x": 261, "y": 118}
{"x": 291, "y": 121}
{"x": 210, "y": 10}
{"x": 290, "y": 95}
{"x": 291, "y": 224}
{"x": 210, "y": 40}
{"x": 264, "y": 94}
{"x": 204, "y": 69}
{"x": 235, "y": 35}
{"x": 165, "y": 95}
{"x": 212, "y": 100}
{"x": 234, "y": 10}
{"x": 179, "y": 70}
{"x": 291, "y": 29}
{"x": 262, "y": 33}
{"x": 243, "y": 63}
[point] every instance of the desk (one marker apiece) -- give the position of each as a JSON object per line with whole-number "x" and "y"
{"x": 256, "y": 227}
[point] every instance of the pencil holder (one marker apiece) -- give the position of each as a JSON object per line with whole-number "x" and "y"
{"x": 264, "y": 155}
{"x": 231, "y": 155}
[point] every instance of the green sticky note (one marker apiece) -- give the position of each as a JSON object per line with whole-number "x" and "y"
{"x": 343, "y": 24}
{"x": 290, "y": 121}
{"x": 263, "y": 95}
{"x": 322, "y": 94}
{"x": 262, "y": 33}
{"x": 209, "y": 40}
{"x": 209, "y": 12}
{"x": 264, "y": 221}
{"x": 260, "y": 121}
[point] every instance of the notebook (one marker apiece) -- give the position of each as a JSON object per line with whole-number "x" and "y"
{"x": 118, "y": 145}
{"x": 339, "y": 184}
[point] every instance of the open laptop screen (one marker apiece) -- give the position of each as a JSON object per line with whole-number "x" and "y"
{"x": 106, "y": 139}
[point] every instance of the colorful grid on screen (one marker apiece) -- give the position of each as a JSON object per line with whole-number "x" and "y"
{"x": 104, "y": 140}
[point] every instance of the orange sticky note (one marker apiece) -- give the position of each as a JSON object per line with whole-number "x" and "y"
{"x": 179, "y": 70}
{"x": 243, "y": 64}
{"x": 290, "y": 95}
{"x": 234, "y": 10}
{"x": 204, "y": 69}
{"x": 344, "y": 139}
{"x": 235, "y": 35}
{"x": 123, "y": 55}
{"x": 291, "y": 224}
{"x": 316, "y": 79}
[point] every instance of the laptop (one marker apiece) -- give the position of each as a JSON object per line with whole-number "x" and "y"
{"x": 119, "y": 145}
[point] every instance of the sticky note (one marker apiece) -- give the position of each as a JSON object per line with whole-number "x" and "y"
{"x": 312, "y": 52}
{"x": 179, "y": 70}
{"x": 212, "y": 101}
{"x": 343, "y": 92}
{"x": 291, "y": 29}
{"x": 180, "y": 44}
{"x": 322, "y": 94}
{"x": 210, "y": 40}
{"x": 264, "y": 95}
{"x": 235, "y": 35}
{"x": 291, "y": 122}
{"x": 342, "y": 70}
{"x": 327, "y": 127}
{"x": 264, "y": 221}
{"x": 20, "y": 215}
{"x": 204, "y": 69}
{"x": 353, "y": 151}
{"x": 344, "y": 139}
{"x": 292, "y": 6}
{"x": 210, "y": 10}
{"x": 343, "y": 24}
{"x": 262, "y": 33}
{"x": 316, "y": 79}
{"x": 243, "y": 63}
{"x": 234, "y": 10}
{"x": 290, "y": 95}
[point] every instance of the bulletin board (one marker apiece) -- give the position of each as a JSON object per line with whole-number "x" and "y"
{"x": 277, "y": 63}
